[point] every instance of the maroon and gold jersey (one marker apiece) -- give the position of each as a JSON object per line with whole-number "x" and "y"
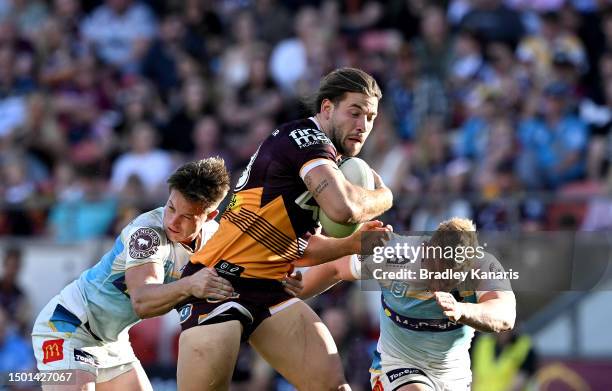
{"x": 263, "y": 228}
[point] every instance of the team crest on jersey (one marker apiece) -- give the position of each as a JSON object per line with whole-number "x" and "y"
{"x": 398, "y": 289}
{"x": 144, "y": 243}
{"x": 306, "y": 137}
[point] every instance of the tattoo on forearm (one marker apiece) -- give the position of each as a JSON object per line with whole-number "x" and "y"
{"x": 320, "y": 187}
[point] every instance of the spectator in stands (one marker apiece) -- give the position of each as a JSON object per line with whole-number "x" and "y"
{"x": 468, "y": 65}
{"x": 257, "y": 96}
{"x": 302, "y": 58}
{"x": 15, "y": 353}
{"x": 494, "y": 21}
{"x": 13, "y": 300}
{"x": 413, "y": 98}
{"x": 387, "y": 155}
{"x": 597, "y": 113}
{"x": 551, "y": 41}
{"x": 69, "y": 14}
{"x": 598, "y": 215}
{"x": 20, "y": 177}
{"x": 265, "y": 11}
{"x": 475, "y": 134}
{"x": 208, "y": 141}
{"x": 120, "y": 32}
{"x": 234, "y": 70}
{"x": 160, "y": 63}
{"x": 144, "y": 160}
{"x": 196, "y": 101}
{"x": 553, "y": 147}
{"x": 434, "y": 46}
{"x": 437, "y": 206}
{"x": 87, "y": 216}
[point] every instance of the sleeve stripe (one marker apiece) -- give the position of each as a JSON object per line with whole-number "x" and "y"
{"x": 355, "y": 267}
{"x": 309, "y": 165}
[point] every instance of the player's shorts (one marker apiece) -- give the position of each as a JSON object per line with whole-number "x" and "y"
{"x": 62, "y": 341}
{"x": 257, "y": 299}
{"x": 388, "y": 374}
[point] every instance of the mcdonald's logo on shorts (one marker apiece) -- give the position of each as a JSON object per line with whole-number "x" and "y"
{"x": 53, "y": 350}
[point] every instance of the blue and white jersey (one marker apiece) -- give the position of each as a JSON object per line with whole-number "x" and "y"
{"x": 99, "y": 296}
{"x": 431, "y": 341}
{"x": 443, "y": 352}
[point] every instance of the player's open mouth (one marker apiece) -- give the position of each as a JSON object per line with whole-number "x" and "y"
{"x": 356, "y": 139}
{"x": 173, "y": 231}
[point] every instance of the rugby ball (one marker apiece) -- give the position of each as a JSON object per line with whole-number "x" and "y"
{"x": 357, "y": 172}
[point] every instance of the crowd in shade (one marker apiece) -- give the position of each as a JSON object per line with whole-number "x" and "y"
{"x": 499, "y": 111}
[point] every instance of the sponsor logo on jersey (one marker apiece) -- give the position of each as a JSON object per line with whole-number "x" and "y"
{"x": 378, "y": 386}
{"x": 306, "y": 137}
{"x": 185, "y": 312}
{"x": 399, "y": 373}
{"x": 144, "y": 243}
{"x": 53, "y": 350}
{"x": 234, "y": 203}
{"x": 228, "y": 269}
{"x": 85, "y": 358}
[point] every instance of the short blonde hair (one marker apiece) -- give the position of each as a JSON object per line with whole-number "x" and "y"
{"x": 456, "y": 232}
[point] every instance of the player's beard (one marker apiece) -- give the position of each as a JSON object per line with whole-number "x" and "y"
{"x": 336, "y": 139}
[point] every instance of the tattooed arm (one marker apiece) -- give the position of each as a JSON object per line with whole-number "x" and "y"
{"x": 344, "y": 202}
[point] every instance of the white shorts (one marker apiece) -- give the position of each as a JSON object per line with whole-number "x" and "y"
{"x": 61, "y": 341}
{"x": 388, "y": 374}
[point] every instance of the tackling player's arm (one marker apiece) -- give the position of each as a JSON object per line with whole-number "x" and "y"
{"x": 496, "y": 307}
{"x": 344, "y": 202}
{"x": 320, "y": 278}
{"x": 321, "y": 249}
{"x": 495, "y": 311}
{"x": 151, "y": 297}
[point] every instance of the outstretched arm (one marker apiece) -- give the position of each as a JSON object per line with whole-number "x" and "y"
{"x": 320, "y": 278}
{"x": 321, "y": 249}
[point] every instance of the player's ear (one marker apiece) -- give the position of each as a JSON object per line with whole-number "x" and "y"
{"x": 327, "y": 107}
{"x": 212, "y": 215}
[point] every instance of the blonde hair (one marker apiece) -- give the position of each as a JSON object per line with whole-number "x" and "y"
{"x": 454, "y": 233}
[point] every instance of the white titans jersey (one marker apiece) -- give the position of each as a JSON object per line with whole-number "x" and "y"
{"x": 99, "y": 296}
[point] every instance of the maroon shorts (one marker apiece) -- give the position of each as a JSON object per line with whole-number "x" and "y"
{"x": 255, "y": 301}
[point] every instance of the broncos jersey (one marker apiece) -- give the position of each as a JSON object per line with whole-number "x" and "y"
{"x": 266, "y": 225}
{"x": 99, "y": 296}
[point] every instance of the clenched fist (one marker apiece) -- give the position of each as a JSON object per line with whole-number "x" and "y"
{"x": 451, "y": 307}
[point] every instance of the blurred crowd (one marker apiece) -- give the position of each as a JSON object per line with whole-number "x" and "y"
{"x": 499, "y": 111}
{"x": 492, "y": 109}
